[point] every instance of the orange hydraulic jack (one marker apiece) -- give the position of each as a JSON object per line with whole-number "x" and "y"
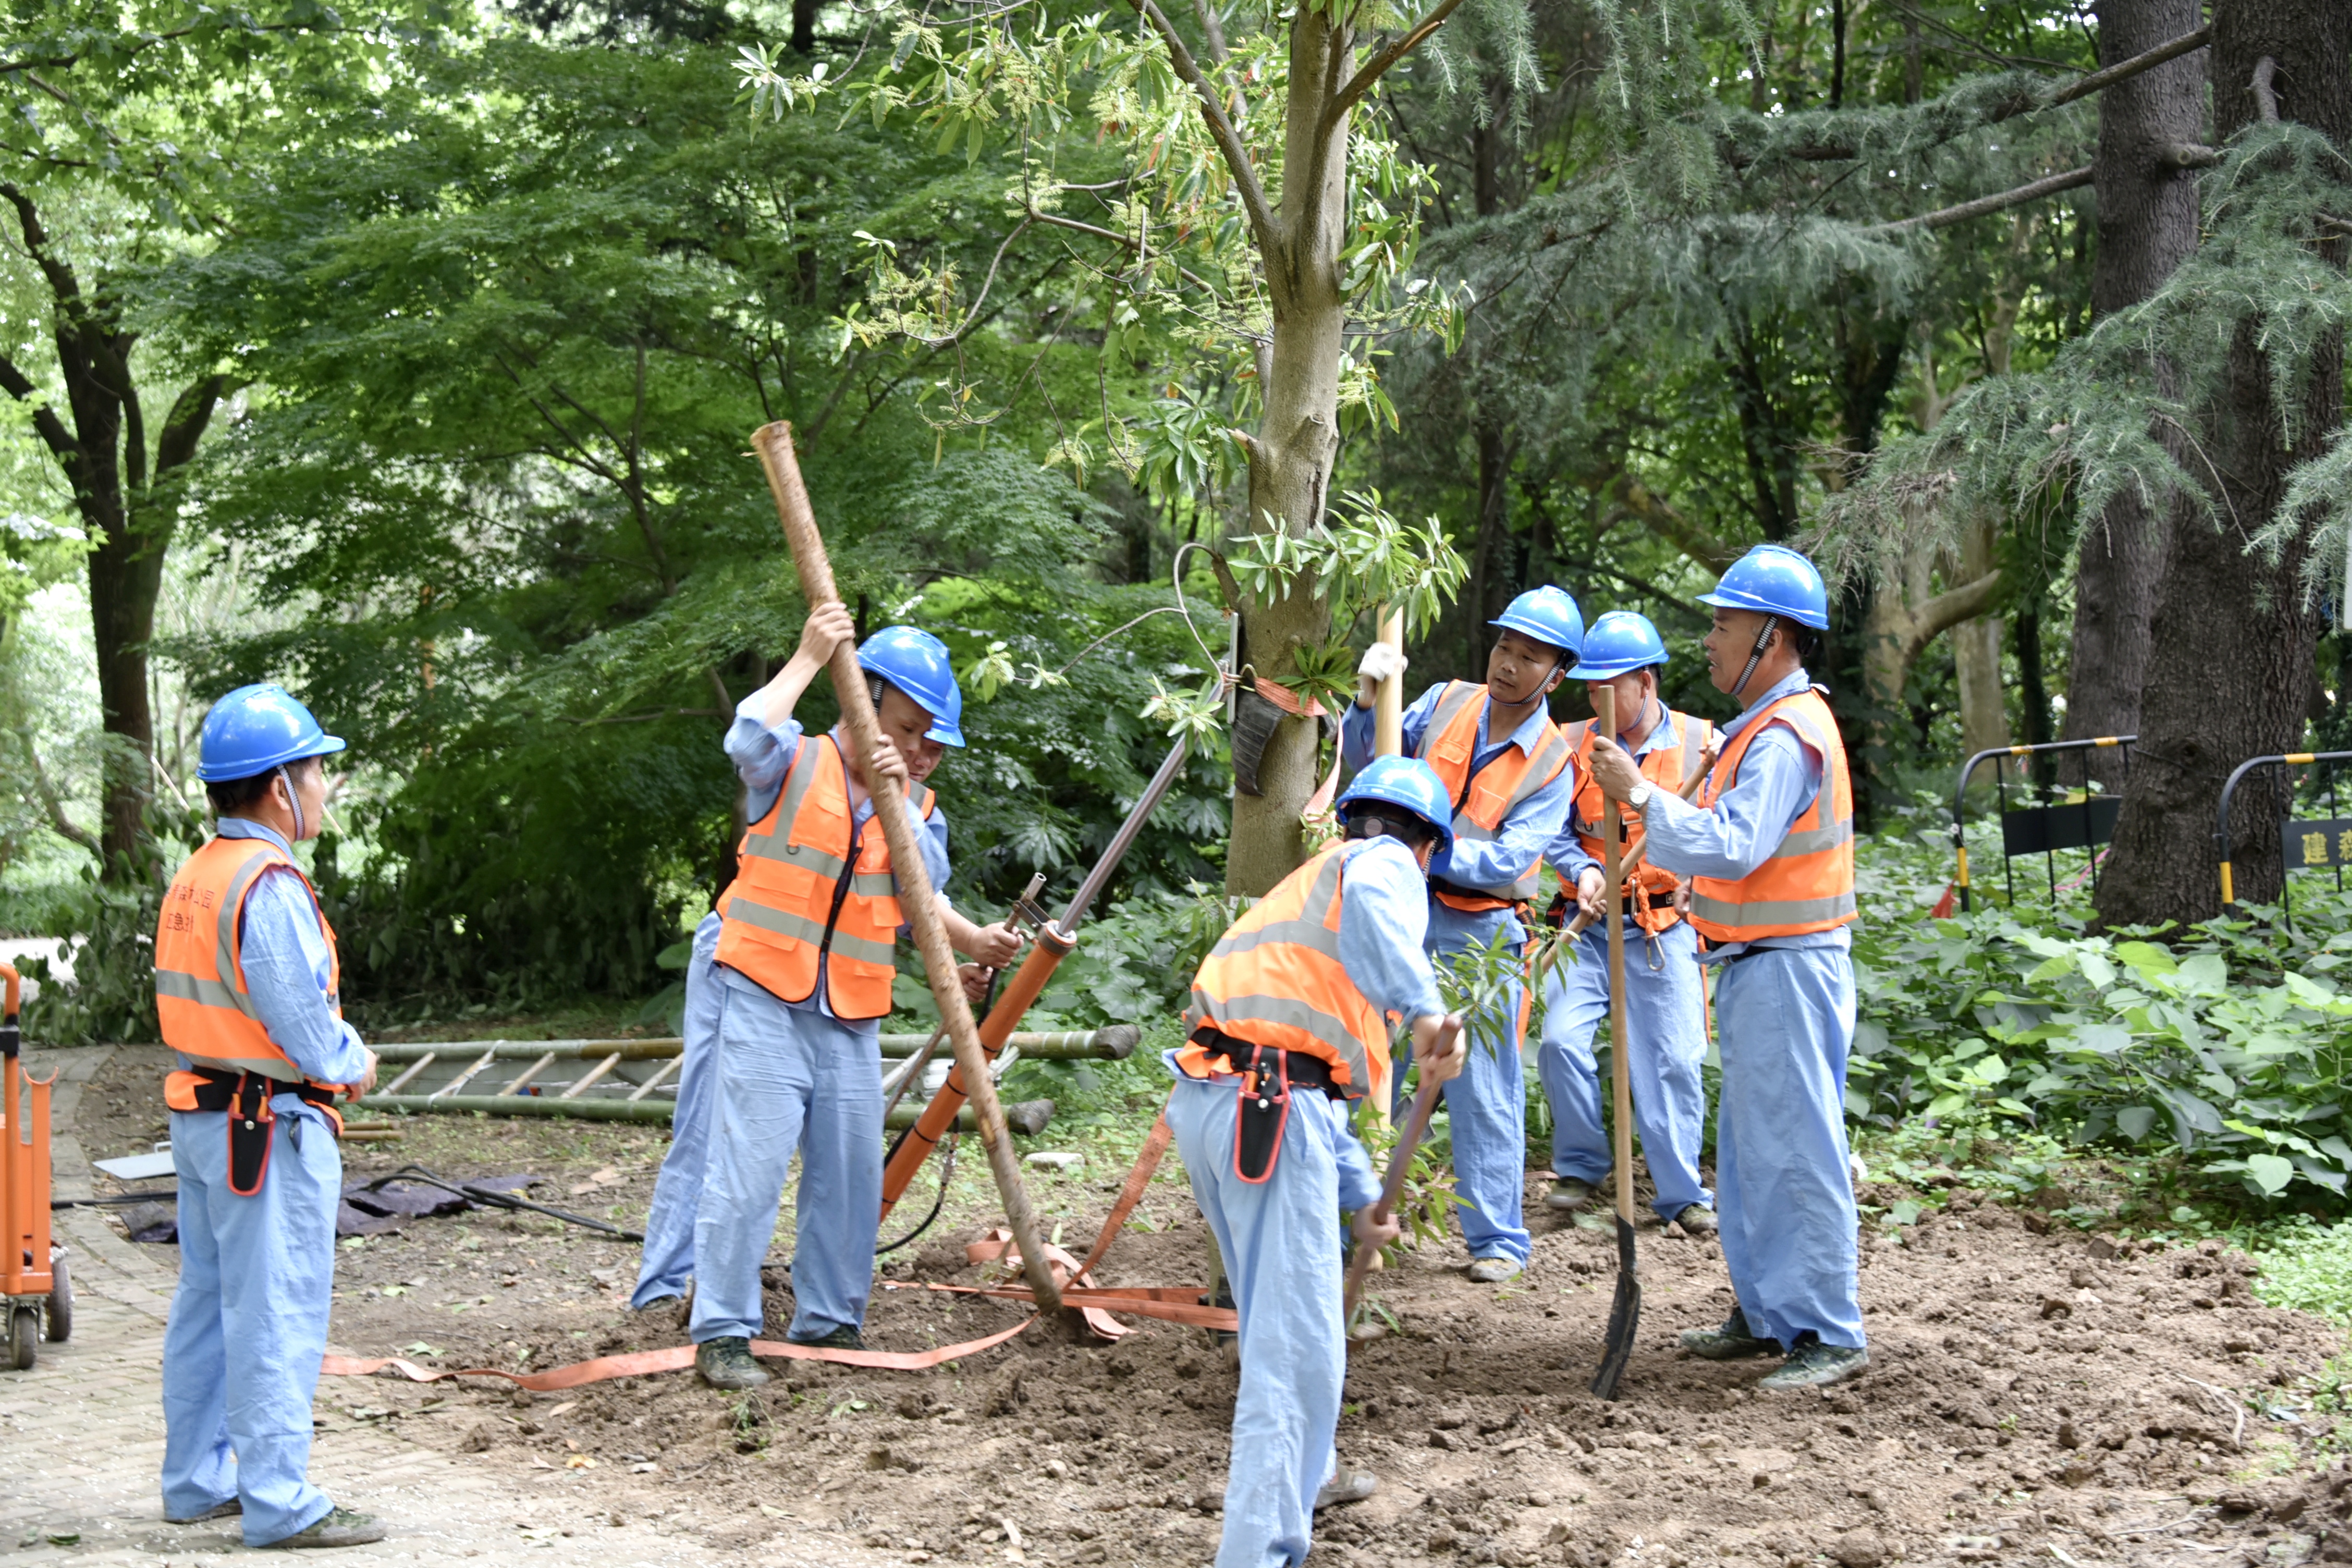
{"x": 38, "y": 1296}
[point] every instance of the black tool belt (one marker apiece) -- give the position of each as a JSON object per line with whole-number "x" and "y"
{"x": 1262, "y": 1097}
{"x": 244, "y": 1096}
{"x": 1556, "y": 914}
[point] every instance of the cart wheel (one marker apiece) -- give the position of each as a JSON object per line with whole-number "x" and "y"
{"x": 24, "y": 1337}
{"x": 58, "y": 1325}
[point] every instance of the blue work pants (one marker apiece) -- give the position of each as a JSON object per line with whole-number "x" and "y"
{"x": 789, "y": 1080}
{"x": 249, "y": 1322}
{"x": 1280, "y": 1240}
{"x": 1665, "y": 1027}
{"x": 1783, "y": 1023}
{"x": 668, "y": 1257}
{"x": 1486, "y": 1106}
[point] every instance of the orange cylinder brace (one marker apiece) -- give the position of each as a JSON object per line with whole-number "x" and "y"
{"x": 1027, "y": 984}
{"x": 24, "y": 1163}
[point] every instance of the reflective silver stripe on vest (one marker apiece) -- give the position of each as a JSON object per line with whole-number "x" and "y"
{"x": 202, "y": 990}
{"x": 225, "y": 943}
{"x": 1291, "y": 1012}
{"x": 1774, "y": 912}
{"x": 1458, "y": 696}
{"x": 800, "y": 927}
{"x": 778, "y": 845}
{"x": 874, "y": 885}
{"x": 1309, "y": 931}
{"x": 1815, "y": 840}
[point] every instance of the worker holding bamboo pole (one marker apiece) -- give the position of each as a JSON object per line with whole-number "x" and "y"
{"x": 806, "y": 955}
{"x": 1665, "y": 1009}
{"x": 1288, "y": 1028}
{"x": 1769, "y": 845}
{"x": 1503, "y": 764}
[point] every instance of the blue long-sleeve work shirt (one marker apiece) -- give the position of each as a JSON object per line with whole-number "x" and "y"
{"x": 1488, "y": 866}
{"x": 1566, "y": 852}
{"x": 763, "y": 753}
{"x": 1779, "y": 777}
{"x": 289, "y": 975}
{"x": 1384, "y": 920}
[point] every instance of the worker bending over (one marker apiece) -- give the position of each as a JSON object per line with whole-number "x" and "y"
{"x": 807, "y": 949}
{"x": 1288, "y": 1026}
{"x": 1665, "y": 1009}
{"x": 246, "y": 989}
{"x": 1771, "y": 844}
{"x": 1503, "y": 764}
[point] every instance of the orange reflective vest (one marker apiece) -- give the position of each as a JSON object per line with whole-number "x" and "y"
{"x": 1483, "y": 800}
{"x": 200, "y": 998}
{"x": 810, "y": 885}
{"x": 1276, "y": 980}
{"x": 1808, "y": 884}
{"x": 1668, "y": 767}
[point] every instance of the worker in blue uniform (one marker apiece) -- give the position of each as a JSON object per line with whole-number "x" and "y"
{"x": 1503, "y": 764}
{"x": 1769, "y": 847}
{"x": 248, "y": 980}
{"x": 1287, "y": 1029}
{"x": 666, "y": 1261}
{"x": 804, "y": 970}
{"x": 1666, "y": 1008}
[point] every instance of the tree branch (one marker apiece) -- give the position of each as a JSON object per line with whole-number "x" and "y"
{"x": 1056, "y": 221}
{"x": 1263, "y": 224}
{"x": 63, "y": 825}
{"x": 53, "y": 432}
{"x": 1379, "y": 65}
{"x": 1685, "y": 534}
{"x": 2146, "y": 59}
{"x": 184, "y": 426}
{"x": 1212, "y": 30}
{"x": 1949, "y": 609}
{"x": 1946, "y": 216}
{"x": 62, "y": 282}
{"x": 2265, "y": 97}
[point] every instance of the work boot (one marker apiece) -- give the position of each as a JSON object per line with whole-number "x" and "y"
{"x": 228, "y": 1509}
{"x": 1346, "y": 1486}
{"x": 341, "y": 1526}
{"x": 1813, "y": 1364}
{"x": 726, "y": 1363}
{"x": 1493, "y": 1271}
{"x": 1729, "y": 1343}
{"x": 845, "y": 1338}
{"x": 1697, "y": 1220}
{"x": 1568, "y": 1195}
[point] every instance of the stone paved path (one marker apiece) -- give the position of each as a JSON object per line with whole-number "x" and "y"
{"x": 81, "y": 1438}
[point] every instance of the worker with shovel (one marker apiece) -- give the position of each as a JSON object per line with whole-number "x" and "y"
{"x": 1288, "y": 1026}
{"x": 1666, "y": 1008}
{"x": 1503, "y": 764}
{"x": 247, "y": 983}
{"x": 806, "y": 954}
{"x": 1769, "y": 843}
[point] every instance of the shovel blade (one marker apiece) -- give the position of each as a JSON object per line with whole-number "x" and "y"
{"x": 1624, "y": 1316}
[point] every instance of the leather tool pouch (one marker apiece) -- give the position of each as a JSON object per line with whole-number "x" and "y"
{"x": 250, "y": 1121}
{"x": 1263, "y": 1110}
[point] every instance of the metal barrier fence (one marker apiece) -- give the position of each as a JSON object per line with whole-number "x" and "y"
{"x": 2305, "y": 842}
{"x": 2079, "y": 824}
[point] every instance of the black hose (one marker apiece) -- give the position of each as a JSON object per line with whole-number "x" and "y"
{"x": 947, "y": 1171}
{"x": 496, "y": 1200}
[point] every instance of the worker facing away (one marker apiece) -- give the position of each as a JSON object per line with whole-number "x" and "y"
{"x": 247, "y": 979}
{"x": 1289, "y": 1031}
{"x": 807, "y": 944}
{"x": 1769, "y": 845}
{"x": 1503, "y": 764}
{"x": 1665, "y": 1009}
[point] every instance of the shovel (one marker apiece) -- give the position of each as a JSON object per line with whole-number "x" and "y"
{"x": 1625, "y": 1310}
{"x": 1424, "y": 1105}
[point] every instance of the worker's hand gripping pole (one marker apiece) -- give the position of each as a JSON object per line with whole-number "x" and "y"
{"x": 773, "y": 443}
{"x": 1625, "y": 1310}
{"x": 1424, "y": 1105}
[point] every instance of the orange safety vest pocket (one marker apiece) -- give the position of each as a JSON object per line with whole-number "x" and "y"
{"x": 1484, "y": 801}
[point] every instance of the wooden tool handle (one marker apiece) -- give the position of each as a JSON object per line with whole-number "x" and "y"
{"x": 1642, "y": 850}
{"x": 1424, "y": 1106}
{"x": 1388, "y": 707}
{"x": 1604, "y": 705}
{"x": 773, "y": 443}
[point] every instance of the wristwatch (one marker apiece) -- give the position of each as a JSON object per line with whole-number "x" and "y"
{"x": 1640, "y": 797}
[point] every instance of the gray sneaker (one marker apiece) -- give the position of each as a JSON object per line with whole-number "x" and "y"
{"x": 228, "y": 1509}
{"x": 341, "y": 1526}
{"x": 1813, "y": 1364}
{"x": 1697, "y": 1220}
{"x": 1348, "y": 1485}
{"x": 1729, "y": 1343}
{"x": 1493, "y": 1271}
{"x": 726, "y": 1363}
{"x": 1568, "y": 1195}
{"x": 845, "y": 1338}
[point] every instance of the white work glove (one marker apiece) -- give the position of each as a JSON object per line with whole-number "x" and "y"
{"x": 1382, "y": 661}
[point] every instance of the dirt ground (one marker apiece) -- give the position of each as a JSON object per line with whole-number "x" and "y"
{"x": 2035, "y": 1395}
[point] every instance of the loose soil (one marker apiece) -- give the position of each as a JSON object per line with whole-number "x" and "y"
{"x": 2035, "y": 1394}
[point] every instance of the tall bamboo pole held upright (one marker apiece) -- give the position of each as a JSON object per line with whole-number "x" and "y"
{"x": 774, "y": 444}
{"x": 1388, "y": 705}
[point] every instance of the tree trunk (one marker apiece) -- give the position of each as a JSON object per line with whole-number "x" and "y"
{"x": 1903, "y": 617}
{"x": 2232, "y": 641}
{"x": 126, "y": 575}
{"x": 1975, "y": 654}
{"x": 2146, "y": 226}
{"x": 1299, "y": 436}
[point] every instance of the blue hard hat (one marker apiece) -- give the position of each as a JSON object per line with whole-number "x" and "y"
{"x": 1776, "y": 581}
{"x": 1547, "y": 615}
{"x": 254, "y": 728}
{"x": 1617, "y": 644}
{"x": 1407, "y": 782}
{"x": 916, "y": 662}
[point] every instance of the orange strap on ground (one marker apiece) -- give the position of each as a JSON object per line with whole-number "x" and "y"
{"x": 1172, "y": 1304}
{"x": 1147, "y": 1165}
{"x": 676, "y": 1357}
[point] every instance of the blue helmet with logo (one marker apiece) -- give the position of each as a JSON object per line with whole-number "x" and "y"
{"x": 1618, "y": 644}
{"x": 1773, "y": 580}
{"x": 255, "y": 728}
{"x": 917, "y": 663}
{"x": 1407, "y": 782}
{"x": 1546, "y": 614}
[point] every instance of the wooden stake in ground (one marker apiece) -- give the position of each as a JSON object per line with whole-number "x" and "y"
{"x": 1625, "y": 1310}
{"x": 773, "y": 443}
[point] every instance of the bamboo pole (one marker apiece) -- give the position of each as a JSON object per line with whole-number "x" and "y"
{"x": 1387, "y": 706}
{"x": 915, "y": 901}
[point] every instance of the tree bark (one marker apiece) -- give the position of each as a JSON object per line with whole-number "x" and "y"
{"x": 1902, "y": 619}
{"x": 1975, "y": 653}
{"x": 2232, "y": 639}
{"x": 2146, "y": 226}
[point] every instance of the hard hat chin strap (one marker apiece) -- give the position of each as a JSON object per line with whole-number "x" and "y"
{"x": 1755, "y": 655}
{"x": 293, "y": 800}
